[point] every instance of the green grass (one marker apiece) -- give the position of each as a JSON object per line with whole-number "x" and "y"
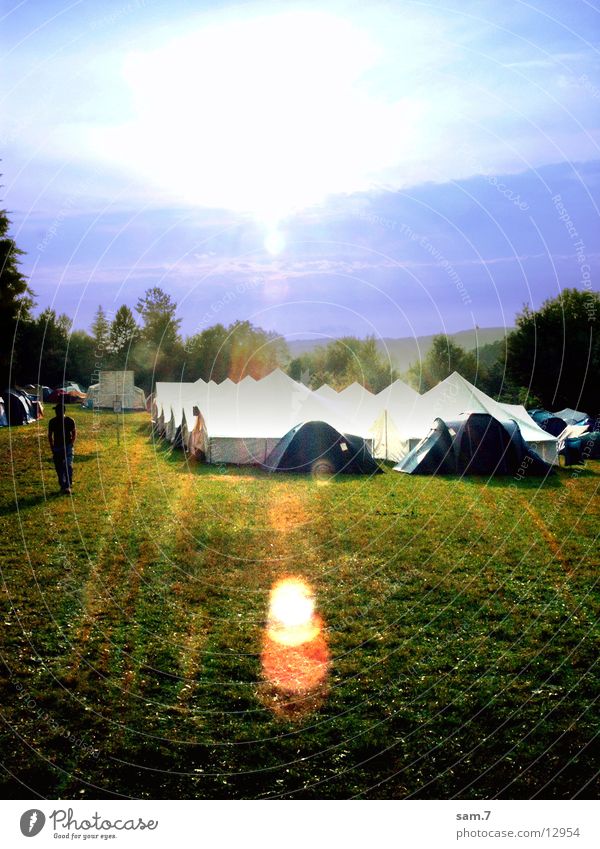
{"x": 461, "y": 617}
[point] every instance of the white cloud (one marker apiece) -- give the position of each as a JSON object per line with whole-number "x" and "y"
{"x": 271, "y": 111}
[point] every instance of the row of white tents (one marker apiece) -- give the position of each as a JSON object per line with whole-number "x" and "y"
{"x": 242, "y": 422}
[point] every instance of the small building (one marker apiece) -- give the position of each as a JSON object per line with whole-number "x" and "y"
{"x": 116, "y": 390}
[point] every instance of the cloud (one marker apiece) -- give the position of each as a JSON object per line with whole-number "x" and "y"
{"x": 272, "y": 110}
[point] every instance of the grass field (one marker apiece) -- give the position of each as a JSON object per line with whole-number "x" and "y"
{"x": 462, "y": 619}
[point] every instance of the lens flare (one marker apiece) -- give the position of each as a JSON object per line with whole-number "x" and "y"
{"x": 295, "y": 657}
{"x": 292, "y": 602}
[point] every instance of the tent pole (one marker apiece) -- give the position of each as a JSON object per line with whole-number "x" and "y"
{"x": 386, "y": 436}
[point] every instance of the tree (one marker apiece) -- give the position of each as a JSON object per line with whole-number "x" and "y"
{"x": 123, "y": 335}
{"x": 235, "y": 351}
{"x": 44, "y": 342}
{"x": 300, "y": 368}
{"x": 253, "y": 351}
{"x": 16, "y": 302}
{"x": 342, "y": 362}
{"x": 207, "y": 354}
{"x": 100, "y": 331}
{"x": 159, "y": 353}
{"x": 555, "y": 351}
{"x": 157, "y": 311}
{"x": 81, "y": 358}
{"x": 443, "y": 358}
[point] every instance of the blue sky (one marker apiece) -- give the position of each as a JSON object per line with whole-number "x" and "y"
{"x": 388, "y": 168}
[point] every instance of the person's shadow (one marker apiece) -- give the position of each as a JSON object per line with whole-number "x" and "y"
{"x": 85, "y": 458}
{"x": 25, "y": 503}
{"x": 79, "y": 458}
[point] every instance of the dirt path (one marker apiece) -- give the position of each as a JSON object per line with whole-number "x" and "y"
{"x": 286, "y": 512}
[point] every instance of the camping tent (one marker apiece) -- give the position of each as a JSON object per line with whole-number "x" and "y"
{"x": 474, "y": 444}
{"x": 17, "y": 408}
{"x": 319, "y": 448}
{"x": 570, "y": 417}
{"x": 3, "y": 419}
{"x": 547, "y": 421}
{"x": 580, "y": 448}
{"x": 450, "y": 399}
{"x": 241, "y": 423}
{"x": 66, "y": 396}
{"x": 393, "y": 407}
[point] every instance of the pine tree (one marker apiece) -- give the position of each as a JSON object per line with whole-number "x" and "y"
{"x": 124, "y": 332}
{"x": 16, "y": 300}
{"x": 101, "y": 330}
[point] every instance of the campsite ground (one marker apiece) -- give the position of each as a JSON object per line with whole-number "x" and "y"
{"x": 461, "y": 617}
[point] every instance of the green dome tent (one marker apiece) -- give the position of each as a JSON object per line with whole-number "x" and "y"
{"x": 474, "y": 444}
{"x": 319, "y": 448}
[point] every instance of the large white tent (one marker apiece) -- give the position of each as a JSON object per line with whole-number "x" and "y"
{"x": 394, "y": 404}
{"x": 242, "y": 422}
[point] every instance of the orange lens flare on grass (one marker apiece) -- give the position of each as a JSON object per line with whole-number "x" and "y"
{"x": 295, "y": 655}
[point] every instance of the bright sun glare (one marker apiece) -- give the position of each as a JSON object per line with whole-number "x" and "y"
{"x": 267, "y": 115}
{"x": 292, "y": 603}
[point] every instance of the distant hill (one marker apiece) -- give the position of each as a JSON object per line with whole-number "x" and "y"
{"x": 403, "y": 352}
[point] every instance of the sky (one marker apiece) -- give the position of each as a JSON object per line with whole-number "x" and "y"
{"x": 391, "y": 168}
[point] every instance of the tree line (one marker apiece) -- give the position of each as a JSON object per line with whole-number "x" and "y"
{"x": 551, "y": 359}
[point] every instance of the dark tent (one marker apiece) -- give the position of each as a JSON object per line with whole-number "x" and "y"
{"x": 475, "y": 444}
{"x": 590, "y": 445}
{"x": 17, "y": 407}
{"x": 551, "y": 424}
{"x": 570, "y": 416}
{"x": 434, "y": 455}
{"x": 319, "y": 448}
{"x": 592, "y": 423}
{"x": 579, "y": 449}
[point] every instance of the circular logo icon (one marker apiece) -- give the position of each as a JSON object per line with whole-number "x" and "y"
{"x": 32, "y": 822}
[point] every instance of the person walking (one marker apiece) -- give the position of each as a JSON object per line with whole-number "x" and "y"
{"x": 62, "y": 433}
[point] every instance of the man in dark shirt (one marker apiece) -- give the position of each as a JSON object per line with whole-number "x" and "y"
{"x": 61, "y": 436}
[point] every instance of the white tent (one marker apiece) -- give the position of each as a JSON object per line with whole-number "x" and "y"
{"x": 242, "y": 422}
{"x": 571, "y": 432}
{"x": 134, "y": 399}
{"x": 394, "y": 404}
{"x": 449, "y": 399}
{"x": 326, "y": 391}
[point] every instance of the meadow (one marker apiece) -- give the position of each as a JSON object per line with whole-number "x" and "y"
{"x": 461, "y": 617}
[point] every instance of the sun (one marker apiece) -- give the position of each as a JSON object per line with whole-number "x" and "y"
{"x": 266, "y": 114}
{"x": 274, "y": 242}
